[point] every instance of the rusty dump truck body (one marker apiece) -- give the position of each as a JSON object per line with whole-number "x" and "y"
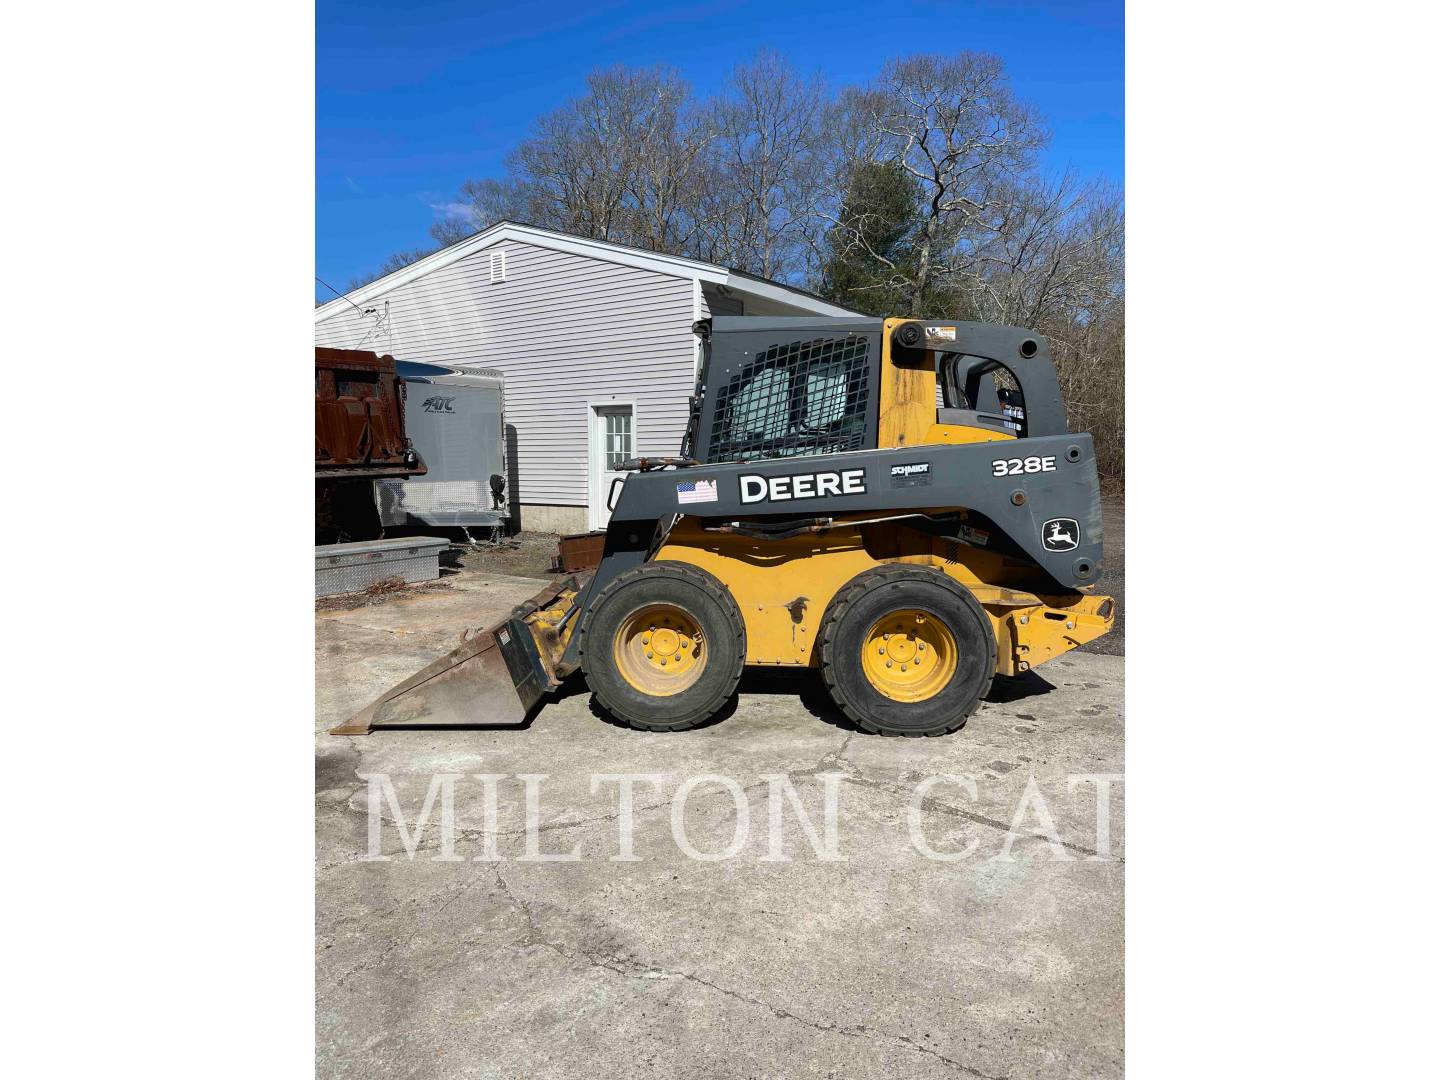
{"x": 360, "y": 418}
{"x": 359, "y": 438}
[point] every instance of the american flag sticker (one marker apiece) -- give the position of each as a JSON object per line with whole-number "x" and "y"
{"x": 696, "y": 491}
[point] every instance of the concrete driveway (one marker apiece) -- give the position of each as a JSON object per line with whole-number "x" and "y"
{"x": 875, "y": 961}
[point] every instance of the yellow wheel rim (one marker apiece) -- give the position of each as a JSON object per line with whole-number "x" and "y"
{"x": 660, "y": 650}
{"x": 909, "y": 655}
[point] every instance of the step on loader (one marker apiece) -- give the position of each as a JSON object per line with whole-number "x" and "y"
{"x": 898, "y": 503}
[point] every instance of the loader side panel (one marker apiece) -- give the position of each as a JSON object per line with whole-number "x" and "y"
{"x": 1041, "y": 494}
{"x": 783, "y": 588}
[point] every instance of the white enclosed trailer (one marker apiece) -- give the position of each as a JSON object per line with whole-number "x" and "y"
{"x": 455, "y": 418}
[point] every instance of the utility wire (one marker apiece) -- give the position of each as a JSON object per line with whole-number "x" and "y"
{"x": 379, "y": 319}
{"x": 338, "y": 293}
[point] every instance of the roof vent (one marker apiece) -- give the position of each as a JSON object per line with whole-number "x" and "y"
{"x": 497, "y": 266}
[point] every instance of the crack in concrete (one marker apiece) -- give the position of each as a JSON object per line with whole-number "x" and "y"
{"x": 932, "y": 805}
{"x": 380, "y": 958}
{"x": 635, "y": 969}
{"x": 630, "y": 968}
{"x": 831, "y": 760}
{"x": 532, "y": 934}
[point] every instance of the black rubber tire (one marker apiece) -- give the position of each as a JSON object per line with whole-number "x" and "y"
{"x": 867, "y": 598}
{"x": 704, "y": 598}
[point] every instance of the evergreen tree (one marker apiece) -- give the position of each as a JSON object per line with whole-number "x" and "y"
{"x": 868, "y": 246}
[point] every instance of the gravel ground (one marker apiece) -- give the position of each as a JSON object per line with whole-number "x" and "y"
{"x": 525, "y": 555}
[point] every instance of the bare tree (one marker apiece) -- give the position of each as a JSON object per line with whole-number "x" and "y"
{"x": 1055, "y": 245}
{"x": 451, "y": 230}
{"x": 622, "y": 163}
{"x": 446, "y": 231}
{"x": 672, "y": 139}
{"x": 397, "y": 261}
{"x": 765, "y": 173}
{"x": 638, "y": 161}
{"x": 918, "y": 194}
{"x": 1056, "y": 263}
{"x": 955, "y": 126}
{"x": 487, "y": 201}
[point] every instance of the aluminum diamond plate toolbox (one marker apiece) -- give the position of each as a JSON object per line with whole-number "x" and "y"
{"x": 343, "y": 568}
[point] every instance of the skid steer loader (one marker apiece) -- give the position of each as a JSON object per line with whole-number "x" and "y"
{"x": 898, "y": 503}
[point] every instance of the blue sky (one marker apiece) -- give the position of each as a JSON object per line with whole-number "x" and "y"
{"x": 412, "y": 99}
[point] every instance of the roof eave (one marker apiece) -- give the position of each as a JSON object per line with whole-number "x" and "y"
{"x": 781, "y": 294}
{"x": 673, "y": 265}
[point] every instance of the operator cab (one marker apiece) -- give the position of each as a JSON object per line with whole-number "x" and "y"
{"x": 1003, "y": 410}
{"x": 797, "y": 387}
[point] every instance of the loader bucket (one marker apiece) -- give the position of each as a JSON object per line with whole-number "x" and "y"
{"x": 496, "y": 676}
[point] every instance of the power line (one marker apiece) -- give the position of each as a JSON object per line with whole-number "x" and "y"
{"x": 380, "y": 320}
{"x": 338, "y": 293}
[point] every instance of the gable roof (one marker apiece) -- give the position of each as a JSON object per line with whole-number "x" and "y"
{"x": 604, "y": 250}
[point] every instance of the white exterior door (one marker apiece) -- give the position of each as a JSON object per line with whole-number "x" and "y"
{"x": 612, "y": 440}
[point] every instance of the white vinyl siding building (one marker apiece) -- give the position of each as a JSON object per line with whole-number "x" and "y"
{"x": 593, "y": 339}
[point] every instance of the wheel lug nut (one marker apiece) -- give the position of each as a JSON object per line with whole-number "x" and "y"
{"x": 649, "y": 655}
{"x": 889, "y": 663}
{"x": 662, "y": 661}
{"x": 902, "y": 667}
{"x": 645, "y": 639}
{"x": 922, "y": 646}
{"x": 882, "y": 650}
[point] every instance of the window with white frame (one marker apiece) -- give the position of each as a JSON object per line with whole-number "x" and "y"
{"x": 619, "y": 441}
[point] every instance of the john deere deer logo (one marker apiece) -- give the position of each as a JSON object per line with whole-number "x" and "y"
{"x": 1060, "y": 534}
{"x": 438, "y": 404}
